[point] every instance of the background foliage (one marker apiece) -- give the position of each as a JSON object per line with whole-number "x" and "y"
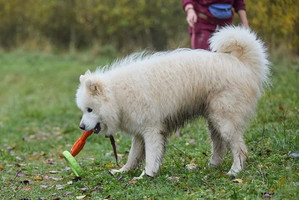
{"x": 127, "y": 24}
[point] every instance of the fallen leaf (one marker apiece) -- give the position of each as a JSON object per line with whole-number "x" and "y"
{"x": 43, "y": 187}
{"x": 26, "y": 188}
{"x": 59, "y": 187}
{"x": 294, "y": 155}
{"x": 80, "y": 197}
{"x": 67, "y": 169}
{"x": 133, "y": 181}
{"x": 18, "y": 165}
{"x": 120, "y": 155}
{"x": 173, "y": 178}
{"x": 280, "y": 107}
{"x": 38, "y": 178}
{"x": 1, "y": 166}
{"x": 238, "y": 181}
{"x": 50, "y": 161}
{"x": 19, "y": 158}
{"x": 267, "y": 196}
{"x": 56, "y": 179}
{"x": 67, "y": 193}
{"x": 97, "y": 188}
{"x": 70, "y": 183}
{"x": 83, "y": 189}
{"x": 20, "y": 173}
{"x": 192, "y": 165}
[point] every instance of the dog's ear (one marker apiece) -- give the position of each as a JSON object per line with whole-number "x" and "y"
{"x": 94, "y": 87}
{"x": 83, "y": 77}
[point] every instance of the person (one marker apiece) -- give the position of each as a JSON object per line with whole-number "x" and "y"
{"x": 206, "y": 16}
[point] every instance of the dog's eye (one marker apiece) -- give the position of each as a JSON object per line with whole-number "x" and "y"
{"x": 89, "y": 110}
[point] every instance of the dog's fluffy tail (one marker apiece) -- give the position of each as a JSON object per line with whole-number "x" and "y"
{"x": 245, "y": 45}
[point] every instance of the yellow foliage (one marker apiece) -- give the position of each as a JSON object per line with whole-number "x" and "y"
{"x": 131, "y": 24}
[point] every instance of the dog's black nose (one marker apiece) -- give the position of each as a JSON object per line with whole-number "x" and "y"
{"x": 82, "y": 126}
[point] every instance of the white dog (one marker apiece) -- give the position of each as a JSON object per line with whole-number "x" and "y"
{"x": 150, "y": 96}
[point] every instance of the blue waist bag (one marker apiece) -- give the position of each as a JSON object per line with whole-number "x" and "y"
{"x": 221, "y": 10}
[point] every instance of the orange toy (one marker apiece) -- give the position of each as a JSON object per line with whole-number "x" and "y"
{"x": 77, "y": 147}
{"x": 79, "y": 144}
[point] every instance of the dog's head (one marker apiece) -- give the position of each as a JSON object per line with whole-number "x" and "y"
{"x": 92, "y": 100}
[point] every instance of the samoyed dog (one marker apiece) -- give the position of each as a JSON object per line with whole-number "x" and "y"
{"x": 150, "y": 96}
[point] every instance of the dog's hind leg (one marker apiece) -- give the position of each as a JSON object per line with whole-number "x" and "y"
{"x": 219, "y": 147}
{"x": 154, "y": 150}
{"x": 232, "y": 133}
{"x": 136, "y": 155}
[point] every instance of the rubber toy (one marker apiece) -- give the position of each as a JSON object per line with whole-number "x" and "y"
{"x": 77, "y": 147}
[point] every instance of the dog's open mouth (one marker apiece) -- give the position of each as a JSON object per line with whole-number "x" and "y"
{"x": 97, "y": 129}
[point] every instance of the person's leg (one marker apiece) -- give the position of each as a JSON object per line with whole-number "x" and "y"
{"x": 200, "y": 39}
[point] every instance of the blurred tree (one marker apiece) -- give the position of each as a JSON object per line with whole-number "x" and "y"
{"x": 130, "y": 24}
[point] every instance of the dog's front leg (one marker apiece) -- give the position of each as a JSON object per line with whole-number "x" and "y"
{"x": 135, "y": 156}
{"x": 154, "y": 151}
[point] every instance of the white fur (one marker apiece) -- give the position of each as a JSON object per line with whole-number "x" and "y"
{"x": 149, "y": 96}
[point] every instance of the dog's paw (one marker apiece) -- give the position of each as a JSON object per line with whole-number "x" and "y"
{"x": 116, "y": 171}
{"x": 232, "y": 173}
{"x": 139, "y": 177}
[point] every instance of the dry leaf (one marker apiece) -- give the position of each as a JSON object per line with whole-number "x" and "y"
{"x": 20, "y": 173}
{"x": 238, "y": 181}
{"x": 1, "y": 166}
{"x": 26, "y": 188}
{"x": 192, "y": 165}
{"x": 83, "y": 189}
{"x": 133, "y": 181}
{"x": 68, "y": 193}
{"x": 56, "y": 179}
{"x": 38, "y": 178}
{"x": 173, "y": 178}
{"x": 59, "y": 187}
{"x": 80, "y": 197}
{"x": 70, "y": 183}
{"x": 43, "y": 187}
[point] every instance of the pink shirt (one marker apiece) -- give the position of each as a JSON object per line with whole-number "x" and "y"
{"x": 201, "y": 6}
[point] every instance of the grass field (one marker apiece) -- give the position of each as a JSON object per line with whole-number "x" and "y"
{"x": 39, "y": 120}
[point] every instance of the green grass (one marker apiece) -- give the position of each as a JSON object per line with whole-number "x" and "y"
{"x": 39, "y": 120}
